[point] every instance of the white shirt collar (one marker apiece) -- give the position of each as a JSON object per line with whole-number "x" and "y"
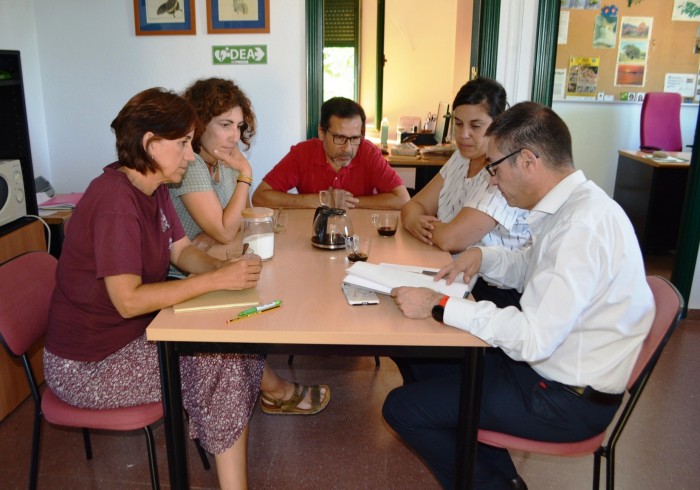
{"x": 557, "y": 196}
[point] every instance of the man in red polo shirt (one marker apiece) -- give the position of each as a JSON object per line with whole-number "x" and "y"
{"x": 339, "y": 158}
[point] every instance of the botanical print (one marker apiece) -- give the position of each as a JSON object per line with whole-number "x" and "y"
{"x": 686, "y": 10}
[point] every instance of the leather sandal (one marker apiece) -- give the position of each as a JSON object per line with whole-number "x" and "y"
{"x": 275, "y": 406}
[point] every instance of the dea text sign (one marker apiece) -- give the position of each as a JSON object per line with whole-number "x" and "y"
{"x": 240, "y": 55}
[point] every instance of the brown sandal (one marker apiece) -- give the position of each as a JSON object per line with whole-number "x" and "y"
{"x": 275, "y": 406}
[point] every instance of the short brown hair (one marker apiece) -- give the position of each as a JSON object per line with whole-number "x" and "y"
{"x": 213, "y": 96}
{"x": 161, "y": 112}
{"x": 535, "y": 127}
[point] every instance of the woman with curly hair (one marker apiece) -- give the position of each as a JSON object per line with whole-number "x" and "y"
{"x": 209, "y": 201}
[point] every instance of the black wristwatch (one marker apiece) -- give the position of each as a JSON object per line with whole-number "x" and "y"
{"x": 439, "y": 309}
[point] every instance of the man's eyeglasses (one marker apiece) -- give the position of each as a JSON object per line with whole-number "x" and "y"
{"x": 491, "y": 167}
{"x": 340, "y": 140}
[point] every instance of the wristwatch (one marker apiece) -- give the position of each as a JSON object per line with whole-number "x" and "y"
{"x": 439, "y": 309}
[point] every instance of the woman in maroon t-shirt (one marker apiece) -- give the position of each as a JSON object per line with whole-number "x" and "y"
{"x": 111, "y": 281}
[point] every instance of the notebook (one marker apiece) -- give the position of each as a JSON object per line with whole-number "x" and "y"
{"x": 382, "y": 278}
{"x": 218, "y": 300}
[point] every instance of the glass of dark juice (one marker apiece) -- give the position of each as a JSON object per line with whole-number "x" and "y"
{"x": 385, "y": 223}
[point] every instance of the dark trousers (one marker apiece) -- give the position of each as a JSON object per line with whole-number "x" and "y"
{"x": 515, "y": 400}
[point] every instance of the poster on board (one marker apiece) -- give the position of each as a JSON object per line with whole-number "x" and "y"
{"x": 583, "y": 77}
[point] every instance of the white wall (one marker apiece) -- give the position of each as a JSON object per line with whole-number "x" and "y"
{"x": 18, "y": 32}
{"x": 92, "y": 63}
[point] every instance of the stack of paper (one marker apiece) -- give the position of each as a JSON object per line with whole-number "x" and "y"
{"x": 382, "y": 278}
{"x": 62, "y": 201}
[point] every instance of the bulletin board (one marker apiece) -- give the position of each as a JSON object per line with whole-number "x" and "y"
{"x": 639, "y": 62}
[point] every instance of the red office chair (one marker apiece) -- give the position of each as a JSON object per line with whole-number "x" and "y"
{"x": 26, "y": 285}
{"x": 660, "y": 124}
{"x": 669, "y": 305}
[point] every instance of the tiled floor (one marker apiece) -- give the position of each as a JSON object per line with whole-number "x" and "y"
{"x": 348, "y": 446}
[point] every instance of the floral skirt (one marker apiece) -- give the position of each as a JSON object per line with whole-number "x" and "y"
{"x": 219, "y": 391}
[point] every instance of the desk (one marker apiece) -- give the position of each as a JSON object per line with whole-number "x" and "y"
{"x": 652, "y": 194}
{"x": 426, "y": 168}
{"x": 316, "y": 319}
{"x": 57, "y": 221}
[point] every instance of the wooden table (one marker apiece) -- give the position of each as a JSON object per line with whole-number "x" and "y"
{"x": 316, "y": 319}
{"x": 57, "y": 221}
{"x": 426, "y": 168}
{"x": 652, "y": 193}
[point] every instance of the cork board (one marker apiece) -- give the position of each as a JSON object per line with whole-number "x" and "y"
{"x": 670, "y": 49}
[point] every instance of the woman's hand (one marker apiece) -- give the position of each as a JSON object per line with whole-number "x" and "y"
{"x": 236, "y": 160}
{"x": 422, "y": 227}
{"x": 204, "y": 242}
{"x": 469, "y": 263}
{"x": 240, "y": 273}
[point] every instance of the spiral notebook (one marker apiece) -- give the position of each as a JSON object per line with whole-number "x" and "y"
{"x": 219, "y": 300}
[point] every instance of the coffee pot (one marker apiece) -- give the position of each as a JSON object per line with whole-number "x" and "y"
{"x": 330, "y": 227}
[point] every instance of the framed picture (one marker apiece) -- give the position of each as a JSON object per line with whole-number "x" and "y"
{"x": 238, "y": 16}
{"x": 164, "y": 17}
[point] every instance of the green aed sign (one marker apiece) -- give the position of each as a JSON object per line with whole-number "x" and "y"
{"x": 240, "y": 55}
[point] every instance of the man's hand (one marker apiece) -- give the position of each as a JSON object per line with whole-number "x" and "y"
{"x": 415, "y": 302}
{"x": 469, "y": 262}
{"x": 351, "y": 201}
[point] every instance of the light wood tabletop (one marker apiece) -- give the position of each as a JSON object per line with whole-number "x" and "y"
{"x": 651, "y": 160}
{"x": 308, "y": 281}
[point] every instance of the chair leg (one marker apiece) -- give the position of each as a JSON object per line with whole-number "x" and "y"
{"x": 202, "y": 455}
{"x": 290, "y": 359}
{"x": 150, "y": 446}
{"x": 87, "y": 443}
{"x": 610, "y": 473}
{"x": 376, "y": 361}
{"x": 596, "y": 468}
{"x": 36, "y": 437}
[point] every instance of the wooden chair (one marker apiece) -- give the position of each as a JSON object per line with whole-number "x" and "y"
{"x": 669, "y": 307}
{"x": 26, "y": 286}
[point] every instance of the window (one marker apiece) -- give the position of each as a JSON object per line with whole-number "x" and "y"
{"x": 341, "y": 39}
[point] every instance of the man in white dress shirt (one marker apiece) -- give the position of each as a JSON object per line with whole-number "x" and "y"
{"x": 563, "y": 359}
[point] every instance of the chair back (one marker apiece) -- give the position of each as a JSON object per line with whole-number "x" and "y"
{"x": 669, "y": 307}
{"x": 26, "y": 286}
{"x": 660, "y": 124}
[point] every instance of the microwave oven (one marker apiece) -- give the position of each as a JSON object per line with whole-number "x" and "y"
{"x": 13, "y": 204}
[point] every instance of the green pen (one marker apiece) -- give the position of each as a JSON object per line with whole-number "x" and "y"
{"x": 261, "y": 308}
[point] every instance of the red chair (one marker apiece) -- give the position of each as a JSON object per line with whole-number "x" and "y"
{"x": 660, "y": 124}
{"x": 26, "y": 285}
{"x": 669, "y": 306}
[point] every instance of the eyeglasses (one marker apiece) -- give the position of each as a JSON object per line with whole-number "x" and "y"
{"x": 491, "y": 167}
{"x": 340, "y": 140}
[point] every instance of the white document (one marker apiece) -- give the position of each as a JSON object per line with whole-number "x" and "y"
{"x": 382, "y": 278}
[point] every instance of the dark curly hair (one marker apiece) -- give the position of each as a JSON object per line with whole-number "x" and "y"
{"x": 156, "y": 110}
{"x": 213, "y": 96}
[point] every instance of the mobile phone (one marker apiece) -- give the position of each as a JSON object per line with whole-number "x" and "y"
{"x": 359, "y": 296}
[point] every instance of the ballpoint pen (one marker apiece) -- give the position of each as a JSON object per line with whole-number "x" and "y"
{"x": 255, "y": 310}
